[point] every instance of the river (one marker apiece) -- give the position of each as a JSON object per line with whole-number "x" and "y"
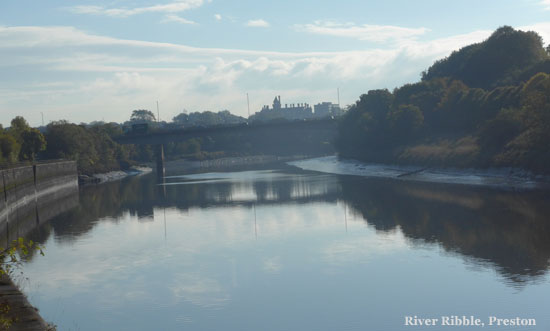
{"x": 283, "y": 248}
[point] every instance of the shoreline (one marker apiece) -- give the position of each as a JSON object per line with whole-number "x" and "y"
{"x": 112, "y": 175}
{"x": 175, "y": 166}
{"x": 21, "y": 314}
{"x": 494, "y": 177}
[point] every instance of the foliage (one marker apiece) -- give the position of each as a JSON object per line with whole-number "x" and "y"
{"x": 20, "y": 142}
{"x": 33, "y": 142}
{"x": 501, "y": 57}
{"x": 92, "y": 147}
{"x": 9, "y": 148}
{"x": 142, "y": 115}
{"x": 18, "y": 126}
{"x": 10, "y": 257}
{"x": 207, "y": 118}
{"x": 460, "y": 114}
{"x": 10, "y": 260}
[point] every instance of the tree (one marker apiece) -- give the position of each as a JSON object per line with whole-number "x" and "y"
{"x": 142, "y": 115}
{"x": 406, "y": 119}
{"x": 9, "y": 148}
{"x": 71, "y": 141}
{"x": 18, "y": 126}
{"x": 33, "y": 142}
{"x": 493, "y": 62}
{"x": 376, "y": 102}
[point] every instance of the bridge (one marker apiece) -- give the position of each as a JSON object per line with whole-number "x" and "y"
{"x": 272, "y": 132}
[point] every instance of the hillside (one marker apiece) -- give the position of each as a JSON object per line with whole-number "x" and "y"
{"x": 486, "y": 105}
{"x": 500, "y": 60}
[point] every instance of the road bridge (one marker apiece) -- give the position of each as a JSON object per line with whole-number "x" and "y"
{"x": 267, "y": 131}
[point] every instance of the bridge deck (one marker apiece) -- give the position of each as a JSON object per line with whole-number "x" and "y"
{"x": 165, "y": 136}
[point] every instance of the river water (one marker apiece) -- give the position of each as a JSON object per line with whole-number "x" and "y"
{"x": 282, "y": 248}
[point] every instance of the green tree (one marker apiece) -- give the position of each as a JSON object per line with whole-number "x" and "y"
{"x": 142, "y": 115}
{"x": 9, "y": 148}
{"x": 18, "y": 126}
{"x": 33, "y": 142}
{"x": 493, "y": 62}
{"x": 71, "y": 141}
{"x": 405, "y": 120}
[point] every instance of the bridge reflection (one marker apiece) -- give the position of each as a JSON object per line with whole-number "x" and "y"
{"x": 503, "y": 230}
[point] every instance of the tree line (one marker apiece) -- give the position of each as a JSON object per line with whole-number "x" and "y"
{"x": 20, "y": 142}
{"x": 485, "y": 105}
{"x": 93, "y": 146}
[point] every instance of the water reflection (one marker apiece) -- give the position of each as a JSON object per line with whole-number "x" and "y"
{"x": 504, "y": 230}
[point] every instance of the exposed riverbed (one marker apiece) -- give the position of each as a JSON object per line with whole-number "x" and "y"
{"x": 498, "y": 177}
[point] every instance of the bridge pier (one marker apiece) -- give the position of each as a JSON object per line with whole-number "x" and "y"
{"x": 159, "y": 153}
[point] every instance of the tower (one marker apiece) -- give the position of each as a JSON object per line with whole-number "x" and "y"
{"x": 277, "y": 103}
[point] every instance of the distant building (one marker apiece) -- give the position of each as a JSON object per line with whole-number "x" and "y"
{"x": 289, "y": 111}
{"x": 298, "y": 111}
{"x": 326, "y": 109}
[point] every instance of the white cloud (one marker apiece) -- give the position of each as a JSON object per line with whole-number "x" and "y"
{"x": 105, "y": 77}
{"x": 545, "y": 4}
{"x": 542, "y": 28}
{"x": 375, "y": 33}
{"x": 177, "y": 19}
{"x": 173, "y": 7}
{"x": 259, "y": 23}
{"x": 218, "y": 17}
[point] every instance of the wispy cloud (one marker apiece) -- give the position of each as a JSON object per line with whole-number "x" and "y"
{"x": 545, "y": 4}
{"x": 122, "y": 73}
{"x": 218, "y": 17}
{"x": 173, "y": 7}
{"x": 177, "y": 19}
{"x": 375, "y": 33}
{"x": 259, "y": 23}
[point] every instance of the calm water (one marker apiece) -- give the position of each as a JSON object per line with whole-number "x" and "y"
{"x": 285, "y": 249}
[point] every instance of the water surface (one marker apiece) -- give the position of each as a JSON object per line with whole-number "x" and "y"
{"x": 285, "y": 249}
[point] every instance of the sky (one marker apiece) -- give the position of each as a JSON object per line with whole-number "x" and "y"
{"x": 85, "y": 61}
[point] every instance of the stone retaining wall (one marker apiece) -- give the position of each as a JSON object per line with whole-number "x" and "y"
{"x": 27, "y": 189}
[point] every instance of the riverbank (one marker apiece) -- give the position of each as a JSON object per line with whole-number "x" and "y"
{"x": 29, "y": 196}
{"x": 183, "y": 165}
{"x": 113, "y": 175}
{"x": 16, "y": 309}
{"x": 494, "y": 177}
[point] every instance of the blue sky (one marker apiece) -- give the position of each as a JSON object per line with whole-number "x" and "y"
{"x": 98, "y": 60}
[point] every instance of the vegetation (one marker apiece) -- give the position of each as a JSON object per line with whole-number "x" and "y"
{"x": 10, "y": 257}
{"x": 92, "y": 147}
{"x": 486, "y": 105}
{"x": 142, "y": 115}
{"x": 20, "y": 142}
{"x": 95, "y": 150}
{"x": 10, "y": 260}
{"x": 207, "y": 118}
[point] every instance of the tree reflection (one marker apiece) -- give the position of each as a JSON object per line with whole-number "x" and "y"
{"x": 504, "y": 230}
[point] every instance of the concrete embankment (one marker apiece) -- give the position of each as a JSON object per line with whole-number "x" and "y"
{"x": 30, "y": 188}
{"x": 29, "y": 196}
{"x": 183, "y": 165}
